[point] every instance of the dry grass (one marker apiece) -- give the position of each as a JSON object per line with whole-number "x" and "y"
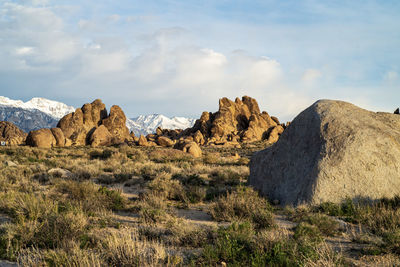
{"x": 74, "y": 221}
{"x": 125, "y": 248}
{"x": 243, "y": 204}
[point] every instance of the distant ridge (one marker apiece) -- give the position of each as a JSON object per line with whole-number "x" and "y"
{"x": 40, "y": 113}
{"x": 50, "y": 107}
{"x": 147, "y": 124}
{"x": 34, "y": 114}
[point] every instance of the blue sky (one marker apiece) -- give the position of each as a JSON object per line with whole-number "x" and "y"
{"x": 179, "y": 57}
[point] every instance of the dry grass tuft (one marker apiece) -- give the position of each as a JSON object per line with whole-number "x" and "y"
{"x": 243, "y": 204}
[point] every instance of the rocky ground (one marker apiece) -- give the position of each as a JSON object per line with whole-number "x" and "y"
{"x": 152, "y": 206}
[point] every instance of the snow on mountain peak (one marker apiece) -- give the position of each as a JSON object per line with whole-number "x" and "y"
{"x": 50, "y": 107}
{"x": 147, "y": 124}
{"x": 143, "y": 124}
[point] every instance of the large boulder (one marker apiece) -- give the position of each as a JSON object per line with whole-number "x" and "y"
{"x": 142, "y": 141}
{"x": 42, "y": 138}
{"x": 275, "y": 134}
{"x": 198, "y": 137}
{"x": 165, "y": 141}
{"x": 59, "y": 136}
{"x": 331, "y": 151}
{"x": 116, "y": 125}
{"x": 100, "y": 137}
{"x": 11, "y": 134}
{"x": 190, "y": 147}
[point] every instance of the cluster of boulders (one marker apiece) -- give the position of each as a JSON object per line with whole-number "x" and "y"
{"x": 89, "y": 125}
{"x": 235, "y": 122}
{"x": 169, "y": 138}
{"x": 331, "y": 151}
{"x": 11, "y": 134}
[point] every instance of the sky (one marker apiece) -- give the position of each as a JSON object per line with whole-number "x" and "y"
{"x": 178, "y": 58}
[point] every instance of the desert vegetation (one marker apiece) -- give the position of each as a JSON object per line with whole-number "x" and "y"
{"x": 151, "y": 206}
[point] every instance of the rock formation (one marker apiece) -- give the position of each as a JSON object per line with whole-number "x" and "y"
{"x": 165, "y": 141}
{"x": 330, "y": 151}
{"x": 11, "y": 134}
{"x": 77, "y": 126}
{"x": 100, "y": 137}
{"x": 397, "y": 111}
{"x": 142, "y": 141}
{"x": 42, "y": 138}
{"x": 59, "y": 136}
{"x": 88, "y": 125}
{"x": 116, "y": 125}
{"x": 189, "y": 147}
{"x": 234, "y": 122}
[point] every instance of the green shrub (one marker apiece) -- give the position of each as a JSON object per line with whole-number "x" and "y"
{"x": 325, "y": 224}
{"x": 243, "y": 204}
{"x": 167, "y": 187}
{"x": 152, "y": 208}
{"x": 113, "y": 198}
{"x": 347, "y": 208}
{"x": 195, "y": 194}
{"x": 233, "y": 245}
{"x": 101, "y": 154}
{"x": 307, "y": 233}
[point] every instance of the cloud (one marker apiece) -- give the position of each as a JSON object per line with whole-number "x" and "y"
{"x": 24, "y": 50}
{"x": 391, "y": 76}
{"x": 310, "y": 76}
{"x": 157, "y": 60}
{"x": 166, "y": 73}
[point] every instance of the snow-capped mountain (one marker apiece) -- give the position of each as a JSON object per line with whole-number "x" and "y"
{"x": 50, "y": 107}
{"x": 27, "y": 119}
{"x": 34, "y": 114}
{"x": 44, "y": 113}
{"x": 146, "y": 124}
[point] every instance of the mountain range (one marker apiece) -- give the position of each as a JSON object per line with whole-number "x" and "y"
{"x": 146, "y": 124}
{"x": 44, "y": 113}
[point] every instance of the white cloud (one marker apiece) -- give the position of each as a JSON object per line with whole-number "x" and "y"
{"x": 36, "y": 2}
{"x": 132, "y": 61}
{"x": 114, "y": 18}
{"x": 100, "y": 63}
{"x": 26, "y": 50}
{"x": 168, "y": 67}
{"x": 391, "y": 76}
{"x": 311, "y": 76}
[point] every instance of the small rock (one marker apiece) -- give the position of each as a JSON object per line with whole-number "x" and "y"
{"x": 142, "y": 141}
{"x": 4, "y": 263}
{"x": 235, "y": 156}
{"x": 58, "y": 172}
{"x": 165, "y": 141}
{"x": 9, "y": 163}
{"x": 397, "y": 111}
